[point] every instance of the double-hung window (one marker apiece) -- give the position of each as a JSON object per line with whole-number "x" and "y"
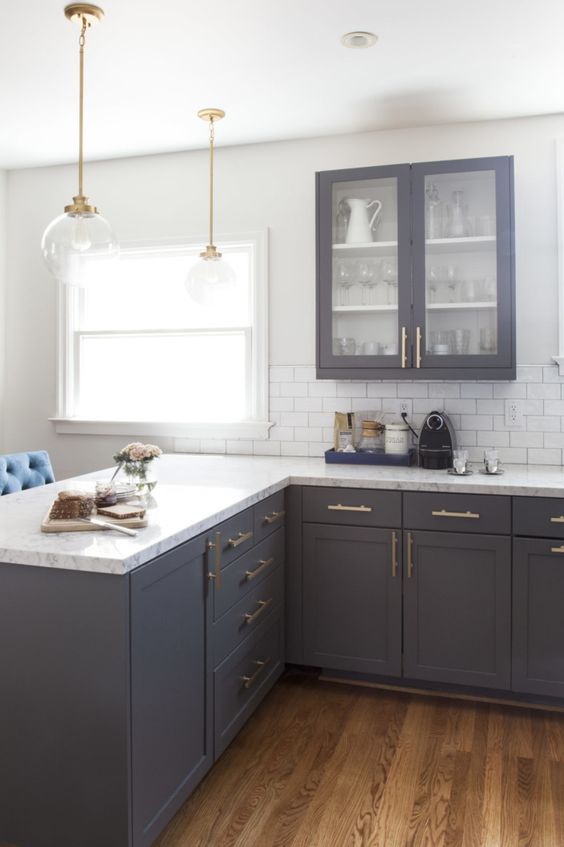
{"x": 138, "y": 354}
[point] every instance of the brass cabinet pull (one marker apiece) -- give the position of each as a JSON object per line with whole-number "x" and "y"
{"x": 263, "y": 606}
{"x": 444, "y": 514}
{"x": 409, "y": 555}
{"x": 557, "y": 549}
{"x": 418, "y": 347}
{"x": 263, "y": 563}
{"x": 216, "y": 573}
{"x": 340, "y": 508}
{"x": 241, "y": 538}
{"x": 559, "y": 519}
{"x": 261, "y": 664}
{"x": 274, "y": 516}
{"x": 394, "y": 554}
{"x": 403, "y": 347}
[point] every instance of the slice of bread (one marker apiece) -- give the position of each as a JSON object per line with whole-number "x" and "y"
{"x": 121, "y": 511}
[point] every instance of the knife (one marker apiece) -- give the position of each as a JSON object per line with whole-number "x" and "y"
{"x": 108, "y": 525}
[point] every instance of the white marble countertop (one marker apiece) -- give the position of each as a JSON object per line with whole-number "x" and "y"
{"x": 196, "y": 492}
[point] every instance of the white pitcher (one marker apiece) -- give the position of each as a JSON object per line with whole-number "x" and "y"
{"x": 361, "y": 225}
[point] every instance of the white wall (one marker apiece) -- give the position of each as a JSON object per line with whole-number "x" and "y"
{"x": 257, "y": 186}
{"x": 3, "y": 322}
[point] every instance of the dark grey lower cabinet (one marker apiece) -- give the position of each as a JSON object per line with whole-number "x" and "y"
{"x": 457, "y": 613}
{"x": 538, "y": 619}
{"x": 171, "y": 687}
{"x": 352, "y": 598}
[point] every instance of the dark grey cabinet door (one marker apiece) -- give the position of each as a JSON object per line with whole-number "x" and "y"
{"x": 463, "y": 270}
{"x": 538, "y": 621}
{"x": 363, "y": 285}
{"x": 352, "y": 598}
{"x": 457, "y": 595}
{"x": 171, "y": 686}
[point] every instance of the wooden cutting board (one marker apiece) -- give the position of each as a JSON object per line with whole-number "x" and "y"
{"x": 72, "y": 525}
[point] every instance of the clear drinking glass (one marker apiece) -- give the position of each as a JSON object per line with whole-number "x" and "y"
{"x": 460, "y": 460}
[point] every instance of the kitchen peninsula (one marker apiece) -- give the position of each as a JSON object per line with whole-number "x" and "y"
{"x": 129, "y": 664}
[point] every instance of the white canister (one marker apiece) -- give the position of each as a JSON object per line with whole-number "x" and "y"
{"x": 396, "y": 438}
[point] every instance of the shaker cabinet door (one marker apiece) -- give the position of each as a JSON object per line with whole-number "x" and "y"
{"x": 463, "y": 275}
{"x": 352, "y": 598}
{"x": 538, "y": 622}
{"x": 171, "y": 686}
{"x": 363, "y": 270}
{"x": 457, "y": 595}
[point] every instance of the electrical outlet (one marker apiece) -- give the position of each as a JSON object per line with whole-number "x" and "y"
{"x": 514, "y": 414}
{"x": 405, "y": 407}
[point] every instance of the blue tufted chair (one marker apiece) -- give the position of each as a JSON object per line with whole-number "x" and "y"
{"x": 25, "y": 470}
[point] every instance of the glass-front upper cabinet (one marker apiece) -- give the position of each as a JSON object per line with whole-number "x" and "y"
{"x": 463, "y": 267}
{"x": 415, "y": 271}
{"x": 364, "y": 268}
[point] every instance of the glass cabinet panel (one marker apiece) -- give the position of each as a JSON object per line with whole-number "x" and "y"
{"x": 460, "y": 264}
{"x": 365, "y": 268}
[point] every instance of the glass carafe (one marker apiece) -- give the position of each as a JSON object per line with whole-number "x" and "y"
{"x": 433, "y": 212}
{"x": 457, "y": 226}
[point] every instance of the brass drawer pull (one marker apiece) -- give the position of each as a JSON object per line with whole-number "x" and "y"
{"x": 263, "y": 563}
{"x": 418, "y": 348}
{"x": 394, "y": 554}
{"x": 216, "y": 573}
{"x": 263, "y": 606}
{"x": 444, "y": 514}
{"x": 557, "y": 549}
{"x": 250, "y": 680}
{"x": 241, "y": 538}
{"x": 559, "y": 519}
{"x": 274, "y": 516}
{"x": 340, "y": 508}
{"x": 403, "y": 347}
{"x": 409, "y": 555}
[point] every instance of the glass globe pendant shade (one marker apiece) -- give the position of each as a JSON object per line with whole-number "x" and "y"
{"x": 76, "y": 244}
{"x": 211, "y": 282}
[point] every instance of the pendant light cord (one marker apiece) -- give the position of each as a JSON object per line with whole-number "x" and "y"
{"x": 211, "y": 179}
{"x": 81, "y": 42}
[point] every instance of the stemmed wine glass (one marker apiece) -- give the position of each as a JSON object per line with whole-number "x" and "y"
{"x": 344, "y": 280}
{"x": 389, "y": 274}
{"x": 368, "y": 280}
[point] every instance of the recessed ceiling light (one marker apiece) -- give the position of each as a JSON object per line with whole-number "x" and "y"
{"x": 359, "y": 39}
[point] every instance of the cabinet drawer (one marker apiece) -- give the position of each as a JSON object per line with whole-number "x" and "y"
{"x": 269, "y": 515}
{"x": 486, "y": 513}
{"x": 236, "y": 536}
{"x": 542, "y": 516}
{"x": 242, "y": 575}
{"x": 247, "y": 615}
{"x": 244, "y": 678}
{"x": 352, "y": 506}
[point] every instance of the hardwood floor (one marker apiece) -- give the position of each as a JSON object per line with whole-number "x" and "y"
{"x": 328, "y": 765}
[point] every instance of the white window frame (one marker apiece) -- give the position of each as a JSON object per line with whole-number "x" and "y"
{"x": 559, "y": 359}
{"x": 255, "y": 427}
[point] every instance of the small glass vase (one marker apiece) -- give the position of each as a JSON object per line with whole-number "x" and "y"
{"x": 141, "y": 475}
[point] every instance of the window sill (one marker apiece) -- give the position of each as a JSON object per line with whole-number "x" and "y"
{"x": 560, "y": 362}
{"x": 235, "y": 430}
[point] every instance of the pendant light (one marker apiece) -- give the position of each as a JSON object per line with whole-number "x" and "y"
{"x": 211, "y": 281}
{"x": 80, "y": 235}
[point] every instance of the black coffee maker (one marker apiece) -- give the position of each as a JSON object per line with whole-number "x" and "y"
{"x": 437, "y": 440}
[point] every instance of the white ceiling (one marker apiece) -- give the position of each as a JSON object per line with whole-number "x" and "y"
{"x": 276, "y": 66}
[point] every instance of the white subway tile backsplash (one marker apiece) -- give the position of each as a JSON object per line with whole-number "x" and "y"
{"x": 544, "y": 457}
{"x": 293, "y": 389}
{"x": 382, "y": 389}
{"x": 281, "y": 374}
{"x": 527, "y": 439}
{"x": 543, "y": 423}
{"x": 511, "y": 390}
{"x": 476, "y": 389}
{"x": 302, "y": 409}
{"x": 322, "y": 389}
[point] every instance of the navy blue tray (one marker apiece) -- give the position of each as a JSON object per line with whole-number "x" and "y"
{"x": 378, "y": 458}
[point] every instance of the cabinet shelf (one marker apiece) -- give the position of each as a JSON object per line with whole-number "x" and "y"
{"x": 456, "y": 307}
{"x": 383, "y": 308}
{"x": 375, "y": 247}
{"x": 461, "y": 245}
